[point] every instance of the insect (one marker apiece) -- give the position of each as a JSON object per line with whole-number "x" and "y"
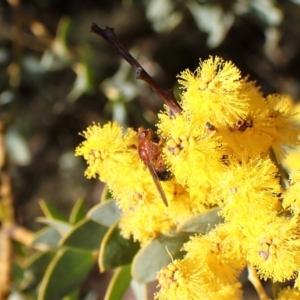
{"x": 150, "y": 154}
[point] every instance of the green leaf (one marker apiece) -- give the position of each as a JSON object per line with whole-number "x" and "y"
{"x": 119, "y": 283}
{"x": 116, "y": 251}
{"x": 61, "y": 226}
{"x": 163, "y": 15}
{"x": 75, "y": 295}
{"x": 65, "y": 273}
{"x": 213, "y": 20}
{"x": 20, "y": 249}
{"x": 17, "y": 147}
{"x": 39, "y": 261}
{"x": 81, "y": 83}
{"x": 47, "y": 237}
{"x": 202, "y": 223}
{"x": 106, "y": 194}
{"x": 78, "y": 212}
{"x": 156, "y": 255}
{"x": 17, "y": 273}
{"x": 86, "y": 234}
{"x": 35, "y": 269}
{"x": 106, "y": 213}
{"x": 62, "y": 32}
{"x": 50, "y": 212}
{"x": 139, "y": 290}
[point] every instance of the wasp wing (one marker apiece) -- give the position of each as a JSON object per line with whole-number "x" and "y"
{"x": 157, "y": 183}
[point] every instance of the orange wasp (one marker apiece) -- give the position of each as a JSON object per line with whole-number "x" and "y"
{"x": 150, "y": 154}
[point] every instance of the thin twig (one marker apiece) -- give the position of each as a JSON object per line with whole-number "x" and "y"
{"x": 7, "y": 218}
{"x": 284, "y": 180}
{"x": 252, "y": 277}
{"x": 9, "y": 230}
{"x": 166, "y": 94}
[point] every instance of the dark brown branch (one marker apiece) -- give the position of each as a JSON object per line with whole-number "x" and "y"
{"x": 167, "y": 95}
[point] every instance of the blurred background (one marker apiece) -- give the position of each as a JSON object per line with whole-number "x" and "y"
{"x": 56, "y": 77}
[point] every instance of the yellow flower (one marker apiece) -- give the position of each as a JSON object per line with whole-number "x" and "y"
{"x": 217, "y": 150}
{"x": 248, "y": 190}
{"x": 288, "y": 294}
{"x": 273, "y": 249}
{"x": 211, "y": 93}
{"x": 253, "y": 134}
{"x": 189, "y": 279}
{"x": 292, "y": 160}
{"x": 287, "y": 127}
{"x": 146, "y": 220}
{"x": 191, "y": 152}
{"x": 208, "y": 271}
{"x": 147, "y": 208}
{"x": 180, "y": 280}
{"x": 297, "y": 283}
{"x": 107, "y": 148}
{"x": 220, "y": 251}
{"x": 113, "y": 156}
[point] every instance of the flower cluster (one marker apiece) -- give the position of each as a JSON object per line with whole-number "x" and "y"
{"x": 225, "y": 149}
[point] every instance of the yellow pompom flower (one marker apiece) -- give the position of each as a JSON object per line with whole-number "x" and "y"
{"x": 288, "y": 294}
{"x": 218, "y": 152}
{"x": 220, "y": 251}
{"x": 112, "y": 154}
{"x": 253, "y": 134}
{"x": 286, "y": 124}
{"x": 297, "y": 283}
{"x": 209, "y": 270}
{"x": 107, "y": 148}
{"x": 189, "y": 279}
{"x": 211, "y": 93}
{"x": 180, "y": 280}
{"x": 248, "y": 189}
{"x": 292, "y": 160}
{"x": 273, "y": 249}
{"x": 191, "y": 152}
{"x": 146, "y": 221}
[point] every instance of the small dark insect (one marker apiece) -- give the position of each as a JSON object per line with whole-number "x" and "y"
{"x": 210, "y": 127}
{"x": 150, "y": 154}
{"x": 243, "y": 125}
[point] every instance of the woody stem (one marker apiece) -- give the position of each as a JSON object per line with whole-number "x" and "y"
{"x": 167, "y": 95}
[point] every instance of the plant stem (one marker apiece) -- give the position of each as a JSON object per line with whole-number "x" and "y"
{"x": 166, "y": 94}
{"x": 252, "y": 277}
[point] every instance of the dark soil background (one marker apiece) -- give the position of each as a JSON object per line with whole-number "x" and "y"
{"x": 56, "y": 77}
